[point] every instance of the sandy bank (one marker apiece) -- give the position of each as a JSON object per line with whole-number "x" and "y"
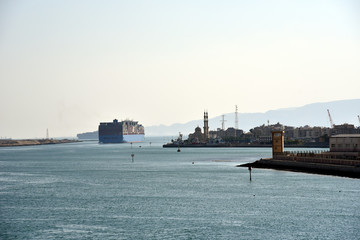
{"x": 32, "y": 142}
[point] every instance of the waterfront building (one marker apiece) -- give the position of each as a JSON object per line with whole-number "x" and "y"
{"x": 266, "y": 130}
{"x": 212, "y": 136}
{"x": 345, "y": 143}
{"x": 230, "y": 132}
{"x": 345, "y": 129}
{"x": 304, "y": 133}
{"x": 197, "y": 136}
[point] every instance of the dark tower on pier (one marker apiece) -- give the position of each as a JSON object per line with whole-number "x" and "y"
{"x": 277, "y": 142}
{"x": 206, "y": 126}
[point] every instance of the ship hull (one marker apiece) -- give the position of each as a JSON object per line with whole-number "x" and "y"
{"x": 121, "y": 138}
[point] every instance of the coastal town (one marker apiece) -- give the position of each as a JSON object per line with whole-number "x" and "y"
{"x": 261, "y": 136}
{"x": 343, "y": 158}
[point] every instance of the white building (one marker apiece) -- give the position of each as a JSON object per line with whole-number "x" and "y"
{"x": 345, "y": 143}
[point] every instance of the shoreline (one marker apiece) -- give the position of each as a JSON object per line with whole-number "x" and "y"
{"x": 229, "y": 145}
{"x": 34, "y": 142}
{"x": 306, "y": 167}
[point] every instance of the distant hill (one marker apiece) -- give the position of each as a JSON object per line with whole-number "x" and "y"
{"x": 344, "y": 111}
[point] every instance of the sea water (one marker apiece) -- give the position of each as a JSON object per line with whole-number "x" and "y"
{"x": 97, "y": 191}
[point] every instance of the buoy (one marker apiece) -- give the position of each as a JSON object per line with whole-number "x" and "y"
{"x": 178, "y": 149}
{"x": 250, "y": 171}
{"x": 132, "y": 157}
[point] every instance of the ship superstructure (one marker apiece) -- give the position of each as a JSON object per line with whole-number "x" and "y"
{"x": 121, "y": 132}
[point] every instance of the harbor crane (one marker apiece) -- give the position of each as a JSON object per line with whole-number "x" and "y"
{"x": 331, "y": 121}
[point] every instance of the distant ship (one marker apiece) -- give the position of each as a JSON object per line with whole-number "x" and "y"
{"x": 88, "y": 136}
{"x": 121, "y": 132}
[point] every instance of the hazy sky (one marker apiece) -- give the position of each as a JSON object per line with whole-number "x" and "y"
{"x": 67, "y": 65}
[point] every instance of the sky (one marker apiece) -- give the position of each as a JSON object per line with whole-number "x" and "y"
{"x": 67, "y": 65}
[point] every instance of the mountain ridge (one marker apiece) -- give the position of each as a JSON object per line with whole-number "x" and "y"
{"x": 313, "y": 114}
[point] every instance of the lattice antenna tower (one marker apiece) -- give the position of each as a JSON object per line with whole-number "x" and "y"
{"x": 47, "y": 133}
{"x": 223, "y": 122}
{"x": 236, "y": 118}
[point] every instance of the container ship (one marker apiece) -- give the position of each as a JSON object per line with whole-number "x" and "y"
{"x": 121, "y": 132}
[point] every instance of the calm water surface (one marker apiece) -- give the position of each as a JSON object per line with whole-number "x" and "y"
{"x": 91, "y": 191}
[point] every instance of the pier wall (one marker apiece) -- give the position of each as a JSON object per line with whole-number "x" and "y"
{"x": 317, "y": 159}
{"x": 308, "y": 167}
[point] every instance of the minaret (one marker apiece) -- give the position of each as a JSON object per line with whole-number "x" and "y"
{"x": 206, "y": 125}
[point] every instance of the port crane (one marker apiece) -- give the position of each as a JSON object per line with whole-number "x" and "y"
{"x": 331, "y": 121}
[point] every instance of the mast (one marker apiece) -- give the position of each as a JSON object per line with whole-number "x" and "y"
{"x": 236, "y": 118}
{"x": 223, "y": 122}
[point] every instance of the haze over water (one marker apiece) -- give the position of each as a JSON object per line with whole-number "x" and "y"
{"x": 91, "y": 191}
{"x": 68, "y": 65}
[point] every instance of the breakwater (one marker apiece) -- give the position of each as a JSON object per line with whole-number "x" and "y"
{"x": 336, "y": 167}
{"x": 32, "y": 142}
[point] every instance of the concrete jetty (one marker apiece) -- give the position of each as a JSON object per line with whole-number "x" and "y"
{"x": 352, "y": 171}
{"x": 343, "y": 159}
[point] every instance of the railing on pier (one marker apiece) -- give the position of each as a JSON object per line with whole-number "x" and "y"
{"x": 317, "y": 156}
